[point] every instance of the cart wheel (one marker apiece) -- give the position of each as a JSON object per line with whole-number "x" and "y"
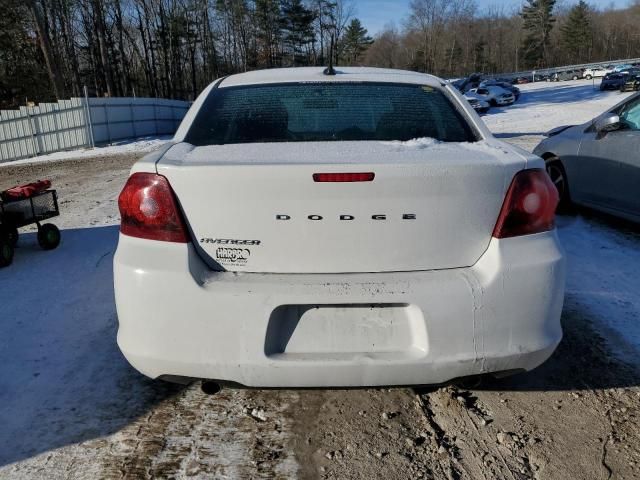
{"x": 6, "y": 253}
{"x": 48, "y": 236}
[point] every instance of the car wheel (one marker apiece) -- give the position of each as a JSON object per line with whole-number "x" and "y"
{"x": 48, "y": 236}
{"x": 558, "y": 175}
{"x": 588, "y": 77}
{"x": 6, "y": 252}
{"x": 575, "y": 77}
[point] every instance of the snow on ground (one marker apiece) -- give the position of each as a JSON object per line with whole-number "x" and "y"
{"x": 546, "y": 105}
{"x": 141, "y": 145}
{"x": 603, "y": 260}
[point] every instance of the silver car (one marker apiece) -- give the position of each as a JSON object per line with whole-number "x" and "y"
{"x": 597, "y": 164}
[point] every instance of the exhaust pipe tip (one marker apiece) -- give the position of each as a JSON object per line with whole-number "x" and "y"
{"x": 210, "y": 388}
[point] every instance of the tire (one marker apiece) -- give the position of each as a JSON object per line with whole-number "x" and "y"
{"x": 575, "y": 77}
{"x": 558, "y": 175}
{"x": 6, "y": 252}
{"x": 48, "y": 236}
{"x": 588, "y": 77}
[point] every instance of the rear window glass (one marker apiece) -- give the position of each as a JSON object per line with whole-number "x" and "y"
{"x": 327, "y": 112}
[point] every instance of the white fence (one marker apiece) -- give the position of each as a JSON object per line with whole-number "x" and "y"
{"x": 78, "y": 122}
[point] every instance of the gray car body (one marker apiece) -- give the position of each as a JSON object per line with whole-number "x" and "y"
{"x": 603, "y": 171}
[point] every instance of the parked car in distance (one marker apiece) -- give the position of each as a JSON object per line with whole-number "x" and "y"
{"x": 506, "y": 85}
{"x": 631, "y": 83}
{"x": 597, "y": 164}
{"x": 566, "y": 75}
{"x": 304, "y": 229}
{"x": 477, "y": 103}
{"x": 595, "y": 72}
{"x": 495, "y": 96}
{"x": 541, "y": 77}
{"x": 472, "y": 81}
{"x": 521, "y": 80}
{"x": 622, "y": 68}
{"x": 612, "y": 81}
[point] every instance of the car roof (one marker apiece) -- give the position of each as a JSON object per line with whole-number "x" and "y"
{"x": 343, "y": 74}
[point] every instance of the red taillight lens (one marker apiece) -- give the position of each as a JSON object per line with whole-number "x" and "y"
{"x": 148, "y": 209}
{"x": 529, "y": 207}
{"x": 344, "y": 177}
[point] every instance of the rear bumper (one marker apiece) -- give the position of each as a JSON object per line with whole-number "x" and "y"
{"x": 176, "y": 317}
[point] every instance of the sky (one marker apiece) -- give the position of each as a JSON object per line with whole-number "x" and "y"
{"x": 375, "y": 14}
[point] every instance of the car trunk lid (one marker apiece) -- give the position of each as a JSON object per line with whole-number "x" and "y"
{"x": 257, "y": 207}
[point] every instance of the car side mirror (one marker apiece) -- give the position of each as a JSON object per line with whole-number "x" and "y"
{"x": 608, "y": 123}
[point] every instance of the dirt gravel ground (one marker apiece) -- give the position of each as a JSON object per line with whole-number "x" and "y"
{"x": 575, "y": 417}
{"x": 87, "y": 188}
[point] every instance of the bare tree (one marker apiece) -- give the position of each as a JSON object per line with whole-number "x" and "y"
{"x": 174, "y": 48}
{"x": 38, "y": 11}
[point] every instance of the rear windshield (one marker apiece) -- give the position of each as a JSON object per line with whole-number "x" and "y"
{"x": 310, "y": 112}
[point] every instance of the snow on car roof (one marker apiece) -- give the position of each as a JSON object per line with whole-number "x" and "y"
{"x": 343, "y": 74}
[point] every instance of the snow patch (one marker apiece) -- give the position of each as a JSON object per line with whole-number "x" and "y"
{"x": 419, "y": 143}
{"x": 602, "y": 280}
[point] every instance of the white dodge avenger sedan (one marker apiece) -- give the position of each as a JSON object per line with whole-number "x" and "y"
{"x": 362, "y": 228}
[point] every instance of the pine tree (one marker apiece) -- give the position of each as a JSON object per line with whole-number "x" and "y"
{"x": 538, "y": 21}
{"x": 576, "y": 32}
{"x": 355, "y": 41}
{"x": 297, "y": 29}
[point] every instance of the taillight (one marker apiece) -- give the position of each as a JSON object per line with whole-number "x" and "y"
{"x": 148, "y": 209}
{"x": 529, "y": 207}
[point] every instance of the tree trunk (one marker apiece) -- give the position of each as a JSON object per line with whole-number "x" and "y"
{"x": 45, "y": 44}
{"x": 102, "y": 47}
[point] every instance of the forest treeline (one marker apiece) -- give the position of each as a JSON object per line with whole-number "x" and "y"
{"x": 455, "y": 37}
{"x": 163, "y": 48}
{"x": 173, "y": 48}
